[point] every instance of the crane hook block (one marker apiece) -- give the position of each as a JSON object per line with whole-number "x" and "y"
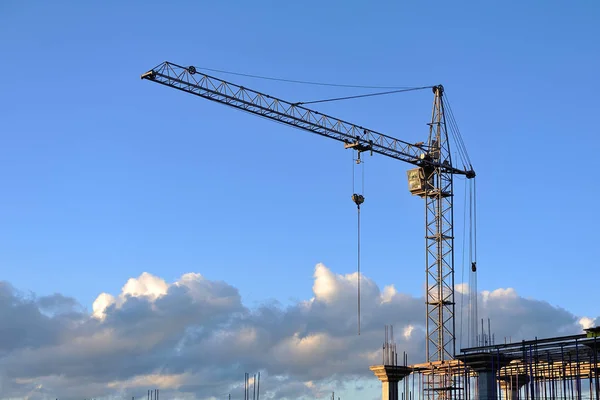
{"x": 474, "y": 266}
{"x": 358, "y": 199}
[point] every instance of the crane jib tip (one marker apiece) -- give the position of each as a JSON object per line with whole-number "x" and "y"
{"x": 148, "y": 75}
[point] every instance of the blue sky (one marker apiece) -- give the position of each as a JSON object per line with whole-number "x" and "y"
{"x": 105, "y": 176}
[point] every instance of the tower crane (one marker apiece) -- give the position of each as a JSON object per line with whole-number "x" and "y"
{"x": 431, "y": 178}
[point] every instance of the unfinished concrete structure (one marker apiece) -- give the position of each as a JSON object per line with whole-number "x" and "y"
{"x": 390, "y": 375}
{"x": 565, "y": 367}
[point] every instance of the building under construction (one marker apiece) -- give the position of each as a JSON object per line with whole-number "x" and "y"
{"x": 563, "y": 367}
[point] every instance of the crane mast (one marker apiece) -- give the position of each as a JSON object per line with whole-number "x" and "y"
{"x": 431, "y": 179}
{"x": 439, "y": 240}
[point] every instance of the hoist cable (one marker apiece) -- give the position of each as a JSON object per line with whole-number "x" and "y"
{"x": 463, "y": 271}
{"x": 302, "y": 82}
{"x": 470, "y": 221}
{"x": 353, "y": 172}
{"x": 362, "y": 189}
{"x": 472, "y": 316}
{"x": 473, "y": 257}
{"x": 358, "y": 268}
{"x": 358, "y": 200}
{"x": 358, "y": 96}
{"x": 458, "y": 137}
{"x": 453, "y": 128}
{"x": 475, "y": 218}
{"x": 456, "y": 131}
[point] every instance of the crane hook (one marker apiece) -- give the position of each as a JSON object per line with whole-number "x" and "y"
{"x": 358, "y": 199}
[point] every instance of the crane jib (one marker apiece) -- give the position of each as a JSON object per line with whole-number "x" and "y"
{"x": 292, "y": 114}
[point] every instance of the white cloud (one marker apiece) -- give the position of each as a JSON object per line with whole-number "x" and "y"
{"x": 388, "y": 294}
{"x": 586, "y": 322}
{"x": 408, "y": 329}
{"x": 102, "y": 302}
{"x": 508, "y": 294}
{"x": 326, "y": 287}
{"x": 461, "y": 288}
{"x": 160, "y": 381}
{"x": 194, "y": 339}
{"x": 146, "y": 285}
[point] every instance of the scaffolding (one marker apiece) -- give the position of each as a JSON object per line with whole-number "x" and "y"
{"x": 563, "y": 367}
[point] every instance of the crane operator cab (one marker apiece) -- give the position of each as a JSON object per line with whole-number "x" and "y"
{"x": 418, "y": 184}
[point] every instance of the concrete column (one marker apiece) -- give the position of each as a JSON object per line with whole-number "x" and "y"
{"x": 511, "y": 385}
{"x": 486, "y": 365}
{"x": 486, "y": 385}
{"x": 390, "y": 375}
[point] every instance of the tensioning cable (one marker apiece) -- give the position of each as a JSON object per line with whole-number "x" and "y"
{"x": 359, "y": 96}
{"x": 270, "y": 78}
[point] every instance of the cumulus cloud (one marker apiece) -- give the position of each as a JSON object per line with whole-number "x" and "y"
{"x": 586, "y": 322}
{"x": 194, "y": 338}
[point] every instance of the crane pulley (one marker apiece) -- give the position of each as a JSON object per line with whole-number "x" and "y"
{"x": 431, "y": 179}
